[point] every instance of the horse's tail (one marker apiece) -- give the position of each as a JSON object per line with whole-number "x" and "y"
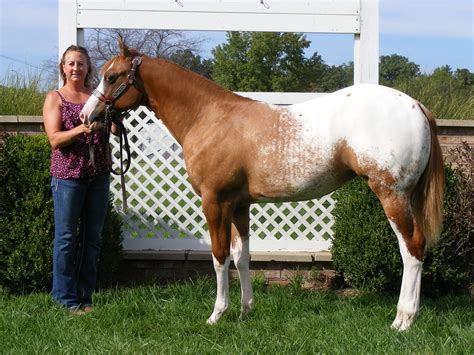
{"x": 429, "y": 192}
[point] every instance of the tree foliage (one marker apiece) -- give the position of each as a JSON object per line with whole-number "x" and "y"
{"x": 256, "y": 61}
{"x": 334, "y": 77}
{"x": 394, "y": 68}
{"x": 189, "y": 60}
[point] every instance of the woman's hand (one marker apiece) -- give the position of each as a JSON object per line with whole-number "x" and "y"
{"x": 95, "y": 126}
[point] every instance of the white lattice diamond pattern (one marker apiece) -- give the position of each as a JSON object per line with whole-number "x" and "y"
{"x": 164, "y": 208}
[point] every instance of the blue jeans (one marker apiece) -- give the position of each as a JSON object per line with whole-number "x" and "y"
{"x": 75, "y": 255}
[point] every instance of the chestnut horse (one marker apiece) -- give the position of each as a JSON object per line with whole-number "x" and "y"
{"x": 239, "y": 151}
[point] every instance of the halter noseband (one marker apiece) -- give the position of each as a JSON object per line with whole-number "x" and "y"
{"x": 131, "y": 80}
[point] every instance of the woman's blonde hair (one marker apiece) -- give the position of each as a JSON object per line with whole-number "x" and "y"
{"x": 80, "y": 49}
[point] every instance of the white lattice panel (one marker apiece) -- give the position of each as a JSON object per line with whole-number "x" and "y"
{"x": 165, "y": 214}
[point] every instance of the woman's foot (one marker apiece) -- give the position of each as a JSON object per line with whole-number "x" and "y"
{"x": 76, "y": 311}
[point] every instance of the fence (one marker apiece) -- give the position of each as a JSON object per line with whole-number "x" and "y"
{"x": 165, "y": 214}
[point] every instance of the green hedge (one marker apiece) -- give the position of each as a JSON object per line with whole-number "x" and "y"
{"x": 26, "y": 218}
{"x": 365, "y": 249}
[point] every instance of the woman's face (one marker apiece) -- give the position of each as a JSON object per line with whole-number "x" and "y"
{"x": 75, "y": 67}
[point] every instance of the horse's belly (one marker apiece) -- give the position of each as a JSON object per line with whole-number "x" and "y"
{"x": 297, "y": 182}
{"x": 293, "y": 161}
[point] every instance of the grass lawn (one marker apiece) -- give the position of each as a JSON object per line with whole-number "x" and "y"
{"x": 171, "y": 319}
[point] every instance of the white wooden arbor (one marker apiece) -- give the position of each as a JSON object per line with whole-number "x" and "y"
{"x": 358, "y": 17}
{"x": 161, "y": 199}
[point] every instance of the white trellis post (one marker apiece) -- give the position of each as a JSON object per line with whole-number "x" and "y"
{"x": 161, "y": 198}
{"x": 68, "y": 31}
{"x": 366, "y": 44}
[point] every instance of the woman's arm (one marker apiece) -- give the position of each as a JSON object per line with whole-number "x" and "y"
{"x": 52, "y": 123}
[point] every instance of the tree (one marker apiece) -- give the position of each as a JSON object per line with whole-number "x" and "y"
{"x": 103, "y": 45}
{"x": 187, "y": 59}
{"x": 257, "y": 61}
{"x": 335, "y": 77}
{"x": 395, "y": 67}
{"x": 464, "y": 76}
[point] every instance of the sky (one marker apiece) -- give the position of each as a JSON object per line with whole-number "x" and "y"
{"x": 430, "y": 33}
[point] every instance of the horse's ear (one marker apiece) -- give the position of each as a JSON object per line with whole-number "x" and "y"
{"x": 123, "y": 47}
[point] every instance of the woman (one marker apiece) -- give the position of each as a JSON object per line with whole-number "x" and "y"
{"x": 80, "y": 192}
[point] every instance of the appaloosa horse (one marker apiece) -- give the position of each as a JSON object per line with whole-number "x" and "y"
{"x": 239, "y": 151}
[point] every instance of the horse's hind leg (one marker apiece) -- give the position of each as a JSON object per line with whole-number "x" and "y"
{"x": 409, "y": 300}
{"x": 411, "y": 241}
{"x": 241, "y": 254}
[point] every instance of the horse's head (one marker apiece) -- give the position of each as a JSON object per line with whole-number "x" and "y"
{"x": 119, "y": 88}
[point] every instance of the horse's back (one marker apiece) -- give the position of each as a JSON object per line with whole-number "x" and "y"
{"x": 365, "y": 112}
{"x": 378, "y": 125}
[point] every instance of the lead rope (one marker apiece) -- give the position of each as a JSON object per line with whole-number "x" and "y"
{"x": 122, "y": 171}
{"x": 122, "y": 139}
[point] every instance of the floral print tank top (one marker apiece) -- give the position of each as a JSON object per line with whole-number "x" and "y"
{"x": 73, "y": 161}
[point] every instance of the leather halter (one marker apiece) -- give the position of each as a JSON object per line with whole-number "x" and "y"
{"x": 131, "y": 80}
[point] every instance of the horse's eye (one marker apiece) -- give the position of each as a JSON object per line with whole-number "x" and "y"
{"x": 112, "y": 78}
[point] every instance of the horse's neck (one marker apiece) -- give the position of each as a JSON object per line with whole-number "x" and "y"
{"x": 179, "y": 97}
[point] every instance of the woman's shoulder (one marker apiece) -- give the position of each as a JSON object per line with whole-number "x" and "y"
{"x": 53, "y": 98}
{"x": 53, "y": 95}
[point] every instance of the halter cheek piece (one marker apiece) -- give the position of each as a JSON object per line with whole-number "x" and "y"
{"x": 112, "y": 118}
{"x": 131, "y": 80}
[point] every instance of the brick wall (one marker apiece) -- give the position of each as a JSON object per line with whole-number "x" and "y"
{"x": 450, "y": 132}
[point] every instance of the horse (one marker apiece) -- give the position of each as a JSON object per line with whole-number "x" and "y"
{"x": 239, "y": 151}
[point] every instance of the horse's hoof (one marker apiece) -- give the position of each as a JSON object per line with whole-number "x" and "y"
{"x": 403, "y": 321}
{"x": 243, "y": 316}
{"x": 214, "y": 318}
{"x": 245, "y": 311}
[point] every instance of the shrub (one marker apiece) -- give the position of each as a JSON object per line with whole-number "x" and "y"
{"x": 111, "y": 249}
{"x": 365, "y": 249}
{"x": 26, "y": 218}
{"x": 449, "y": 266}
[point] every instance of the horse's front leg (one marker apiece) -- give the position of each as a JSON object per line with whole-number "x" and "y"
{"x": 241, "y": 254}
{"x": 219, "y": 216}
{"x": 222, "y": 296}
